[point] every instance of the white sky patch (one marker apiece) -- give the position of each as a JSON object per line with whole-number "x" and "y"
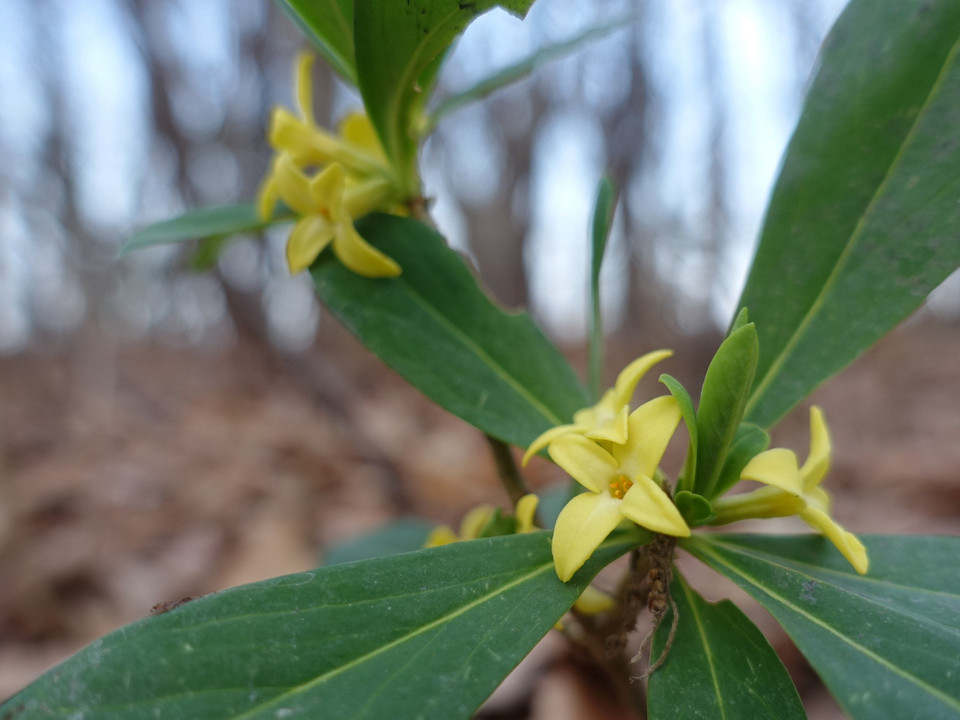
{"x": 107, "y": 104}
{"x": 564, "y": 178}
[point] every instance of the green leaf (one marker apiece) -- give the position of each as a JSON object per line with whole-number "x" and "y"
{"x": 427, "y": 634}
{"x": 398, "y": 48}
{"x": 207, "y": 252}
{"x": 696, "y": 509}
{"x": 862, "y": 224}
{"x": 683, "y": 399}
{"x": 719, "y": 666}
{"x": 520, "y": 70}
{"x": 886, "y": 644}
{"x": 204, "y": 223}
{"x": 400, "y": 536}
{"x": 436, "y": 327}
{"x": 742, "y": 318}
{"x": 749, "y": 442}
{"x": 604, "y": 207}
{"x": 722, "y": 399}
{"x": 328, "y": 25}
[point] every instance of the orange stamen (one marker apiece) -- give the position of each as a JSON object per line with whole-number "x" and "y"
{"x": 619, "y": 487}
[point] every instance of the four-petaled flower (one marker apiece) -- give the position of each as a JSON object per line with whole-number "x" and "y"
{"x": 621, "y": 484}
{"x": 327, "y": 207}
{"x": 794, "y": 490}
{"x": 607, "y": 420}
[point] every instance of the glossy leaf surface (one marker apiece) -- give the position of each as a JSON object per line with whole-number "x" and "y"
{"x": 398, "y": 48}
{"x": 722, "y": 399}
{"x": 435, "y": 326}
{"x": 886, "y": 644}
{"x": 328, "y": 25}
{"x": 201, "y": 224}
{"x": 719, "y": 667}
{"x": 863, "y": 220}
{"x": 680, "y": 394}
{"x": 749, "y": 442}
{"x": 427, "y": 634}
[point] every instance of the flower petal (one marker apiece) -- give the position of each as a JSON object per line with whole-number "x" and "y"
{"x": 613, "y": 429}
{"x": 357, "y": 130}
{"x": 304, "y": 79}
{"x": 306, "y": 144}
{"x": 582, "y": 525}
{"x": 525, "y": 511}
{"x": 649, "y": 506}
{"x": 847, "y": 543}
{"x": 593, "y": 601}
{"x": 629, "y": 377}
{"x": 308, "y": 239}
{"x": 474, "y": 521}
{"x": 268, "y": 196}
{"x": 293, "y": 185}
{"x": 585, "y": 461}
{"x": 440, "y": 536}
{"x": 650, "y": 428}
{"x": 359, "y": 255}
{"x": 777, "y": 467}
{"x": 546, "y": 438}
{"x": 818, "y": 461}
{"x": 326, "y": 189}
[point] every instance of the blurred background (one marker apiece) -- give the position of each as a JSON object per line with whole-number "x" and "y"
{"x": 166, "y": 432}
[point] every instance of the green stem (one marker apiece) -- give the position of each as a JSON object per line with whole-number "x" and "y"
{"x": 507, "y": 469}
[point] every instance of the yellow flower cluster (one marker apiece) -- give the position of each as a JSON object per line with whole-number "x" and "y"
{"x": 328, "y": 180}
{"x": 615, "y": 454}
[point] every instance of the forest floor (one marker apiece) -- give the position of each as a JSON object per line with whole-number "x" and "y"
{"x": 138, "y": 475}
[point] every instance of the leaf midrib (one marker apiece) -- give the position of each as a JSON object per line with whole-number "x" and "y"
{"x": 896, "y": 670}
{"x": 480, "y": 352}
{"x": 448, "y": 617}
{"x": 760, "y": 389}
{"x": 865, "y": 579}
{"x": 691, "y": 602}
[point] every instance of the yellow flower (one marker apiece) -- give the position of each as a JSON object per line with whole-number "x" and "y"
{"x": 794, "y": 490}
{"x": 356, "y": 145}
{"x": 327, "y": 207}
{"x": 620, "y": 482}
{"x": 476, "y": 520}
{"x": 352, "y": 178}
{"x": 607, "y": 420}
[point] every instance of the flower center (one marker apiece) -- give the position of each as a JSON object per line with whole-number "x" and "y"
{"x": 619, "y": 487}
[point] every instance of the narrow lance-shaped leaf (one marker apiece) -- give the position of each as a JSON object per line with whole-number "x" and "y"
{"x": 722, "y": 399}
{"x": 886, "y": 644}
{"x": 685, "y": 402}
{"x": 328, "y": 25}
{"x": 719, "y": 666}
{"x": 519, "y": 70}
{"x": 398, "y": 47}
{"x": 428, "y": 634}
{"x": 203, "y": 223}
{"x": 604, "y": 207}
{"x": 749, "y": 442}
{"x": 863, "y": 222}
{"x": 435, "y": 326}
